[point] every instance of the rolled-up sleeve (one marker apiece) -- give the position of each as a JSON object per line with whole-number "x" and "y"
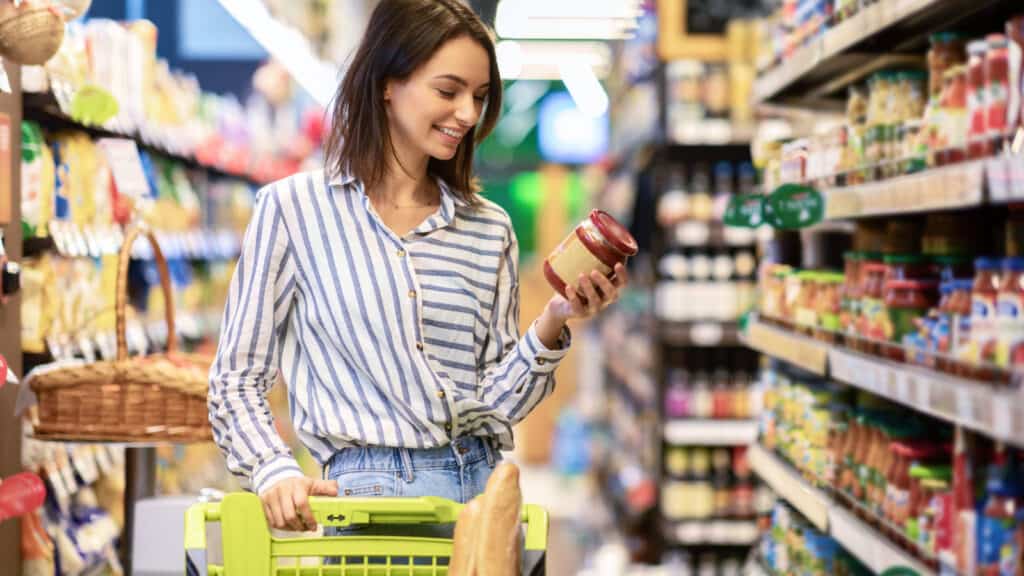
{"x": 246, "y": 365}
{"x": 518, "y": 371}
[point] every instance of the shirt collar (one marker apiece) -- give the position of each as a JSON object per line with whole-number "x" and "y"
{"x": 347, "y": 182}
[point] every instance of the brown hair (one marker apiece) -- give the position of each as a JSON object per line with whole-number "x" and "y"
{"x": 402, "y": 36}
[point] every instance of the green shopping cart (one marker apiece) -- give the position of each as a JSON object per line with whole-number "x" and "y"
{"x": 249, "y": 549}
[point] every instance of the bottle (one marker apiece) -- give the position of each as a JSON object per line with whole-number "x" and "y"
{"x": 997, "y": 524}
{"x": 674, "y": 203}
{"x": 701, "y": 204}
{"x": 678, "y": 398}
{"x": 724, "y": 189}
{"x": 703, "y": 404}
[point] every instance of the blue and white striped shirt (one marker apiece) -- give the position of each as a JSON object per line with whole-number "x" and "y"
{"x": 382, "y": 341}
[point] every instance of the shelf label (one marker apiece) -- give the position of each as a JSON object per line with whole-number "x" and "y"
{"x": 1002, "y": 416}
{"x": 964, "y": 405}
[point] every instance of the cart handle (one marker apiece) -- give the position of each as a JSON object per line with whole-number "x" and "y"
{"x": 349, "y": 511}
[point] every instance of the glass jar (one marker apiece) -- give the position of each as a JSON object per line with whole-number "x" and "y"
{"x": 1015, "y": 32}
{"x": 906, "y": 302}
{"x": 850, "y": 290}
{"x": 599, "y": 242}
{"x": 984, "y": 296}
{"x": 947, "y": 50}
{"x": 997, "y": 73}
{"x": 872, "y": 307}
{"x": 977, "y": 87}
{"x": 1010, "y": 314}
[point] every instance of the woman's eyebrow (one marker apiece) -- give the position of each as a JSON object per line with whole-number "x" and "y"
{"x": 458, "y": 80}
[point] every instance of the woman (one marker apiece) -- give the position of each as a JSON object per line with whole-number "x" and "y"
{"x": 384, "y": 289}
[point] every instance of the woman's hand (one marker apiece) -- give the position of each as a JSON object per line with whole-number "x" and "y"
{"x": 595, "y": 293}
{"x": 286, "y": 503}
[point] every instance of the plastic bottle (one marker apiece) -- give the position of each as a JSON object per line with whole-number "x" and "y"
{"x": 997, "y": 524}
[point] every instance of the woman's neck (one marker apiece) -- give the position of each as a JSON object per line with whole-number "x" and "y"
{"x": 406, "y": 184}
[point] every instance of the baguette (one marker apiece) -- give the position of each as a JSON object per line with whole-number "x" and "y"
{"x": 498, "y": 542}
{"x": 462, "y": 560}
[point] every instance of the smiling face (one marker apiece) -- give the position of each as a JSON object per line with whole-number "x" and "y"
{"x": 439, "y": 104}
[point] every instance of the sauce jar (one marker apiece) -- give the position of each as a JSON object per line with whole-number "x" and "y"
{"x": 997, "y": 73}
{"x": 984, "y": 295}
{"x": 905, "y": 302}
{"x": 873, "y": 317}
{"x": 850, "y": 290}
{"x": 1015, "y": 31}
{"x": 947, "y": 50}
{"x": 977, "y": 88}
{"x": 599, "y": 242}
{"x": 1010, "y": 314}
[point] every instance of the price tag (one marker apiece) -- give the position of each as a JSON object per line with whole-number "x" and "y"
{"x": 903, "y": 386}
{"x": 964, "y": 405}
{"x": 125, "y": 166}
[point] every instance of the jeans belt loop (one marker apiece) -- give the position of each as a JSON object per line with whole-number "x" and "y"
{"x": 489, "y": 451}
{"x": 405, "y": 461}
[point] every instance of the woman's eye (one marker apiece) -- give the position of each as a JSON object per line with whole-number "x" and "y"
{"x": 480, "y": 98}
{"x": 446, "y": 94}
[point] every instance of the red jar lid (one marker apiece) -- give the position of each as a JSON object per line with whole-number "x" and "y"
{"x": 615, "y": 233}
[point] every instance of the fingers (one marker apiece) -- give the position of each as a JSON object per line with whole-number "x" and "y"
{"x": 272, "y": 508}
{"x": 621, "y": 278}
{"x": 609, "y": 293}
{"x": 324, "y": 488}
{"x": 590, "y": 293}
{"x": 579, "y": 308}
{"x": 303, "y": 513}
{"x": 288, "y": 516}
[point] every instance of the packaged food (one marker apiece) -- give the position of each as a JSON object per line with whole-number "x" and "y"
{"x": 997, "y": 74}
{"x": 947, "y": 50}
{"x": 978, "y": 143}
{"x": 984, "y": 295}
{"x": 850, "y": 290}
{"x": 1015, "y": 113}
{"x": 906, "y": 301}
{"x": 872, "y": 308}
{"x": 953, "y": 128}
{"x": 1010, "y": 314}
{"x": 599, "y": 242}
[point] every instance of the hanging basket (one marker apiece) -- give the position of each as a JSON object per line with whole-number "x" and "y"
{"x": 157, "y": 398}
{"x": 31, "y": 32}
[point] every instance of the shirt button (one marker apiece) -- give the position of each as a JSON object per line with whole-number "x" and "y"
{"x": 400, "y": 253}
{"x": 541, "y": 361}
{"x": 440, "y": 394}
{"x": 419, "y": 345}
{"x": 448, "y": 427}
{"x": 412, "y": 293}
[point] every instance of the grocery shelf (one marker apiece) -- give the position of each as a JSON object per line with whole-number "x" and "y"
{"x": 710, "y": 432}
{"x": 862, "y": 540}
{"x": 995, "y": 411}
{"x": 886, "y": 27}
{"x": 43, "y": 108}
{"x": 956, "y": 186}
{"x": 877, "y": 552}
{"x": 796, "y": 349}
{"x": 790, "y": 485}
{"x": 713, "y": 532}
{"x": 700, "y": 334}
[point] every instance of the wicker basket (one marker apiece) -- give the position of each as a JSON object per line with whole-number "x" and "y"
{"x": 30, "y": 33}
{"x": 155, "y": 398}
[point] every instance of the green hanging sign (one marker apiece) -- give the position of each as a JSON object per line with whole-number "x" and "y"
{"x": 93, "y": 106}
{"x": 745, "y": 211}
{"x": 793, "y": 206}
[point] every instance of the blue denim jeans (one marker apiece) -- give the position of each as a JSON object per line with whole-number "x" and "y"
{"x": 457, "y": 472}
